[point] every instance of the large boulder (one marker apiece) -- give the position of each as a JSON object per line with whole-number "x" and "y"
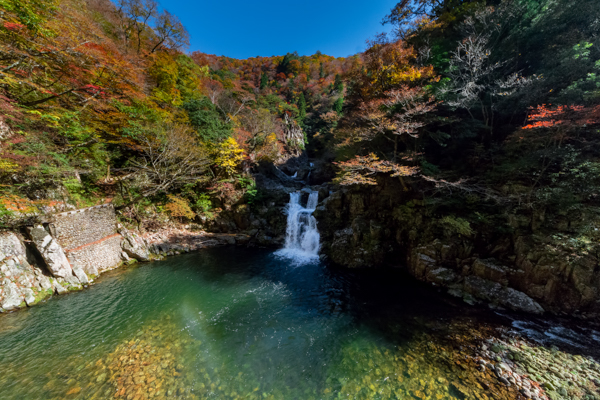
{"x": 52, "y": 253}
{"x": 134, "y": 246}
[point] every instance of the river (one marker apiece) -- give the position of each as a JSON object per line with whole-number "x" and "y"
{"x": 233, "y": 323}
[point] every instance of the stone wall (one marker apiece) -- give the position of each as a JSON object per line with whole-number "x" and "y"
{"x": 89, "y": 237}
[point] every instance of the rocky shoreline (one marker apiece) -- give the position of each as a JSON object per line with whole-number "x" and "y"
{"x": 26, "y": 280}
{"x": 519, "y": 264}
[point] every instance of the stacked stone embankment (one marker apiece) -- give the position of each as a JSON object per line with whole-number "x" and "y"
{"x": 89, "y": 237}
{"x": 71, "y": 248}
{"x": 62, "y": 255}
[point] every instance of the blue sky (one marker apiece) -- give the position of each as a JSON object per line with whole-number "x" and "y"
{"x": 243, "y": 29}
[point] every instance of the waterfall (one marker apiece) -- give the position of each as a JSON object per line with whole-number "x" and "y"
{"x": 302, "y": 237}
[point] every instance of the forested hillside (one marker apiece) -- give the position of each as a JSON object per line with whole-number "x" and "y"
{"x": 100, "y": 100}
{"x": 477, "y": 103}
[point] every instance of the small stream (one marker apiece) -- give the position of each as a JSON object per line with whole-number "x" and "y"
{"x": 233, "y": 323}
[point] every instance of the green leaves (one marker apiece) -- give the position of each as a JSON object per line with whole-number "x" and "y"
{"x": 206, "y": 120}
{"x": 31, "y": 13}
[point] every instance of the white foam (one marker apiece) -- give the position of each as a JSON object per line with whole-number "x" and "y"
{"x": 302, "y": 240}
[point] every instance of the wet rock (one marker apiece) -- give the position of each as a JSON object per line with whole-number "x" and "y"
{"x": 441, "y": 276}
{"x": 491, "y": 270}
{"x": 504, "y": 296}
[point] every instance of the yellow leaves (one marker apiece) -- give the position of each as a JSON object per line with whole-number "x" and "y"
{"x": 361, "y": 170}
{"x": 227, "y": 155}
{"x": 7, "y": 166}
{"x": 179, "y": 208}
{"x": 388, "y": 65}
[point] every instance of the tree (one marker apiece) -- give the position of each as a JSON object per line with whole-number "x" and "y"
{"x": 284, "y": 65}
{"x": 264, "y": 80}
{"x": 259, "y": 124}
{"x": 170, "y": 33}
{"x": 139, "y": 13}
{"x": 338, "y": 84}
{"x": 30, "y": 13}
{"x": 385, "y": 66}
{"x": 301, "y": 107}
{"x": 361, "y": 170}
{"x": 207, "y": 121}
{"x": 178, "y": 207}
{"x": 170, "y": 157}
{"x": 406, "y": 12}
{"x": 227, "y": 155}
{"x": 475, "y": 80}
{"x": 338, "y": 105}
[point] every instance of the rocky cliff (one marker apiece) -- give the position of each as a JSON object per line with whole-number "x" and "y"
{"x": 531, "y": 264}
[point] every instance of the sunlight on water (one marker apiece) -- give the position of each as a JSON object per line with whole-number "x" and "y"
{"x": 242, "y": 324}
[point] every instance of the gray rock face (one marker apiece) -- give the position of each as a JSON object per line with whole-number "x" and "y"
{"x": 516, "y": 300}
{"x": 19, "y": 280}
{"x": 58, "y": 288}
{"x": 134, "y": 246}
{"x": 29, "y": 297}
{"x": 52, "y": 253}
{"x": 10, "y": 245}
{"x": 81, "y": 276}
{"x": 503, "y": 296}
{"x": 12, "y": 296}
{"x": 5, "y": 131}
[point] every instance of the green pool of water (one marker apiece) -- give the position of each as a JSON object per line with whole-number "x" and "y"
{"x": 233, "y": 323}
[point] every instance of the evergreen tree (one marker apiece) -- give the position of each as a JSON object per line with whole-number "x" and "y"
{"x": 291, "y": 88}
{"x": 321, "y": 71}
{"x": 338, "y": 105}
{"x": 264, "y": 80}
{"x": 302, "y": 106}
{"x": 338, "y": 85}
{"x": 285, "y": 63}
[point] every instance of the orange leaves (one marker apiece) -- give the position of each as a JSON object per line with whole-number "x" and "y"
{"x": 178, "y": 207}
{"x": 361, "y": 170}
{"x": 387, "y": 65}
{"x": 546, "y": 116}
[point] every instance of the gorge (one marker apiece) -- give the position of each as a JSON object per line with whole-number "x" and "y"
{"x": 418, "y": 218}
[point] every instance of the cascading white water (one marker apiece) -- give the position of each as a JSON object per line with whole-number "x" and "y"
{"x": 302, "y": 240}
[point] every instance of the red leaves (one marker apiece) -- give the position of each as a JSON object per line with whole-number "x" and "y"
{"x": 13, "y": 26}
{"x": 93, "y": 90}
{"x": 95, "y": 46}
{"x": 544, "y": 116}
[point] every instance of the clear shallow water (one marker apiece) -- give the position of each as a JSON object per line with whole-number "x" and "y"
{"x": 232, "y": 323}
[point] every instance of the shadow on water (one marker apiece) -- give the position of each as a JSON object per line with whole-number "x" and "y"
{"x": 247, "y": 318}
